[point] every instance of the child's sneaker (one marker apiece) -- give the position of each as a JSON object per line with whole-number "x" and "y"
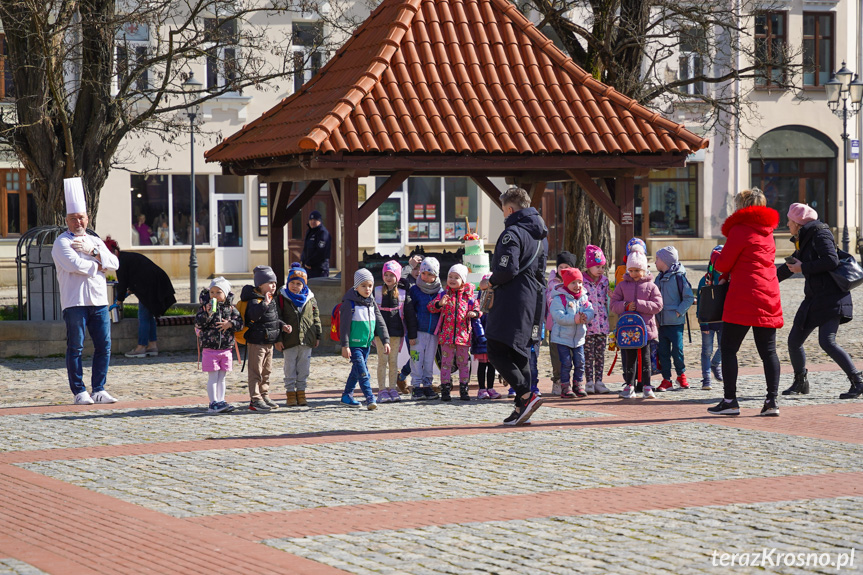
{"x": 463, "y": 393}
{"x": 259, "y": 405}
{"x": 717, "y": 372}
{"x": 579, "y": 389}
{"x": 220, "y": 407}
{"x": 665, "y": 385}
{"x": 705, "y": 384}
{"x": 600, "y": 389}
{"x": 349, "y": 401}
{"x": 371, "y": 405}
{"x": 589, "y": 387}
{"x": 493, "y": 394}
{"x": 681, "y": 381}
{"x": 384, "y": 396}
{"x": 555, "y": 388}
{"x": 430, "y": 393}
{"x": 535, "y": 389}
{"x": 212, "y": 408}
{"x": 628, "y": 392}
{"x": 394, "y": 396}
{"x": 272, "y": 404}
{"x": 725, "y": 407}
{"x": 417, "y": 393}
{"x": 647, "y": 393}
{"x": 511, "y": 392}
{"x": 566, "y": 390}
{"x": 482, "y": 394}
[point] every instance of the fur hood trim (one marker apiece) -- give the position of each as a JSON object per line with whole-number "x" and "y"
{"x": 760, "y": 218}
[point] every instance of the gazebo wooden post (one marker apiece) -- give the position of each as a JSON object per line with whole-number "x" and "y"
{"x": 350, "y": 232}
{"x": 277, "y": 201}
{"x": 625, "y": 199}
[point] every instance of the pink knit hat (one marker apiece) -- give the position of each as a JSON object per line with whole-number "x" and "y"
{"x": 394, "y": 267}
{"x": 593, "y": 256}
{"x": 802, "y": 214}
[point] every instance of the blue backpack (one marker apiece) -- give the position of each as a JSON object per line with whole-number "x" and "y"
{"x": 631, "y": 331}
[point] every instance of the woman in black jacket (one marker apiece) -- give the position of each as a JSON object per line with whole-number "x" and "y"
{"x": 825, "y": 306}
{"x": 138, "y": 275}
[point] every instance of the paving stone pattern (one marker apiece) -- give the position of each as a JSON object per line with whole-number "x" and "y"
{"x": 189, "y": 423}
{"x": 15, "y": 567}
{"x": 678, "y": 542}
{"x": 305, "y": 476}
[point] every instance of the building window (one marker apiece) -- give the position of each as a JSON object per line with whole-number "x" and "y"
{"x": 306, "y": 41}
{"x": 222, "y": 37}
{"x": 770, "y": 48}
{"x": 693, "y": 47}
{"x": 818, "y": 48}
{"x": 670, "y": 199}
{"x": 161, "y": 206}
{"x": 17, "y": 205}
{"x": 785, "y": 182}
{"x": 263, "y": 210}
{"x": 133, "y": 50}
{"x": 440, "y": 209}
{"x": 7, "y": 84}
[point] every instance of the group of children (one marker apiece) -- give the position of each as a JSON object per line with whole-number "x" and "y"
{"x": 412, "y": 308}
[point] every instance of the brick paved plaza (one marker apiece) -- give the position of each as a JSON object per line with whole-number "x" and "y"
{"x": 600, "y": 485}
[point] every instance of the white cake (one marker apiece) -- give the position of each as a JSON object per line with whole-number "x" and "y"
{"x": 476, "y": 260}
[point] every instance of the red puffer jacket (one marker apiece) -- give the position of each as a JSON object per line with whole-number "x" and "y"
{"x": 747, "y": 259}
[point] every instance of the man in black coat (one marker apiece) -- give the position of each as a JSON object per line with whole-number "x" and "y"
{"x": 316, "y": 248}
{"x": 518, "y": 281}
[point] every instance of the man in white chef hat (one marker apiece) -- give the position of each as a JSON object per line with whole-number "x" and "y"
{"x": 81, "y": 261}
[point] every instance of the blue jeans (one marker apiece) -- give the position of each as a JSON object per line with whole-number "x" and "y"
{"x": 671, "y": 349}
{"x": 95, "y": 319}
{"x": 707, "y": 349}
{"x": 146, "y": 326}
{"x": 360, "y": 373}
{"x": 571, "y": 358}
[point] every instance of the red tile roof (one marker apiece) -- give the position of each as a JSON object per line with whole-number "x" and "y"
{"x": 460, "y": 76}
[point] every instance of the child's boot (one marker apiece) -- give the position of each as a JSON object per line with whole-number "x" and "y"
{"x": 555, "y": 387}
{"x": 463, "y": 392}
{"x": 445, "y": 392}
{"x": 292, "y": 399}
{"x": 580, "y": 391}
{"x": 301, "y": 398}
{"x": 566, "y": 390}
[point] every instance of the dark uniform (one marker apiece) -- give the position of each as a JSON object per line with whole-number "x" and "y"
{"x": 515, "y": 319}
{"x": 316, "y": 252}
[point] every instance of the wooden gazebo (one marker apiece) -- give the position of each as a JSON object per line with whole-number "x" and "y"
{"x": 449, "y": 88}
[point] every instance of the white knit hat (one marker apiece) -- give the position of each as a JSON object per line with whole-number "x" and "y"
{"x": 461, "y": 270}
{"x": 636, "y": 259}
{"x": 222, "y": 284}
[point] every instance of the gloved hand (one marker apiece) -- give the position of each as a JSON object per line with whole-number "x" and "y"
{"x": 83, "y": 244}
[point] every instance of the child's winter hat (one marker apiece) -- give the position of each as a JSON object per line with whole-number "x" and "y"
{"x": 362, "y": 275}
{"x": 264, "y": 274}
{"x": 714, "y": 254}
{"x": 297, "y": 273}
{"x": 222, "y": 284}
{"x": 430, "y": 265}
{"x": 566, "y": 258}
{"x": 570, "y": 275}
{"x": 593, "y": 256}
{"x": 636, "y": 244}
{"x": 393, "y": 267}
{"x": 637, "y": 260}
{"x": 461, "y": 270}
{"x": 668, "y": 254}
{"x": 801, "y": 214}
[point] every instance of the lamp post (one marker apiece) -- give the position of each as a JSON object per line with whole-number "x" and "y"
{"x": 191, "y": 89}
{"x": 840, "y": 87}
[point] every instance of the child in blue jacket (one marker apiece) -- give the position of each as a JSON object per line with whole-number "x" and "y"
{"x": 677, "y": 298}
{"x": 571, "y": 312}
{"x": 421, "y": 333}
{"x": 710, "y": 331}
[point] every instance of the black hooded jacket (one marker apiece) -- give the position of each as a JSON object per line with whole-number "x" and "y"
{"x": 518, "y": 279}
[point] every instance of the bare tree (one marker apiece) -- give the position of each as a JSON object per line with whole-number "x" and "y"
{"x": 89, "y": 73}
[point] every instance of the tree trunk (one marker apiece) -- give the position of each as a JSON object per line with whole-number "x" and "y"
{"x": 586, "y": 223}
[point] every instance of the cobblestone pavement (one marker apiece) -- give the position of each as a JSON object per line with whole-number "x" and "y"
{"x": 15, "y": 567}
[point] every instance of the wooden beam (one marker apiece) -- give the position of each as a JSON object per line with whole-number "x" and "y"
{"x": 490, "y": 189}
{"x": 536, "y": 191}
{"x": 387, "y": 188}
{"x": 625, "y": 192}
{"x": 350, "y": 233}
{"x": 276, "y": 232}
{"x": 300, "y": 200}
{"x": 299, "y": 173}
{"x": 336, "y": 191}
{"x": 597, "y": 195}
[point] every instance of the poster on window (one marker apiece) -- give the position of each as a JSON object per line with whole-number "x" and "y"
{"x": 361, "y": 194}
{"x": 419, "y": 211}
{"x": 413, "y": 231}
{"x": 431, "y": 212}
{"x": 462, "y": 207}
{"x": 423, "y": 230}
{"x": 449, "y": 231}
{"x": 460, "y": 230}
{"x": 434, "y": 231}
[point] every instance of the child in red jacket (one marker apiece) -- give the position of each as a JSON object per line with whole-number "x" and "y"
{"x": 458, "y": 307}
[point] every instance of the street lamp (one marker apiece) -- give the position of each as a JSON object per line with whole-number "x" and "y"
{"x": 191, "y": 89}
{"x": 840, "y": 87}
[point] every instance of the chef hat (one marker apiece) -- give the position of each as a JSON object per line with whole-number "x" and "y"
{"x": 75, "y": 202}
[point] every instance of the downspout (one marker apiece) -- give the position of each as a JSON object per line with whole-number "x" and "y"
{"x": 737, "y": 115}
{"x": 859, "y": 188}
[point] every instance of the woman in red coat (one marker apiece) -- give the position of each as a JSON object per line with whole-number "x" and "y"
{"x": 747, "y": 262}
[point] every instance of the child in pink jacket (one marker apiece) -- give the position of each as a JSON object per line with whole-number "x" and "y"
{"x": 637, "y": 292}
{"x": 457, "y": 306}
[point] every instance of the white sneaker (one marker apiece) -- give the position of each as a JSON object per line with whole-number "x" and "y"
{"x": 648, "y": 393}
{"x": 103, "y": 397}
{"x": 599, "y": 388}
{"x": 84, "y": 398}
{"x": 555, "y": 388}
{"x": 628, "y": 392}
{"x": 588, "y": 387}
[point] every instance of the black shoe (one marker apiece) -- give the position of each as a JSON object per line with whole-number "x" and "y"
{"x": 512, "y": 418}
{"x": 800, "y": 385}
{"x": 463, "y": 393}
{"x": 445, "y": 392}
{"x": 417, "y": 393}
{"x": 725, "y": 407}
{"x": 856, "y": 389}
{"x": 429, "y": 393}
{"x": 530, "y": 405}
{"x": 770, "y": 409}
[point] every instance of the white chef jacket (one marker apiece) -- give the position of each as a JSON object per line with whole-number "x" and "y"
{"x": 81, "y": 282}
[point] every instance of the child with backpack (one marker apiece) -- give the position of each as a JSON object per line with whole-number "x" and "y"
{"x": 677, "y": 298}
{"x": 565, "y": 260}
{"x": 360, "y": 321}
{"x": 571, "y": 312}
{"x": 216, "y": 325}
{"x": 597, "y": 290}
{"x": 263, "y": 330}
{"x": 637, "y": 294}
{"x": 299, "y": 310}
{"x": 458, "y": 308}
{"x": 710, "y": 331}
{"x": 422, "y": 327}
{"x": 391, "y": 299}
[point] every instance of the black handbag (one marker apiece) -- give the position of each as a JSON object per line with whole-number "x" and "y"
{"x": 711, "y": 302}
{"x": 848, "y": 274}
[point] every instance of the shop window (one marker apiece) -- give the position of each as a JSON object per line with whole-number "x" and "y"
{"x": 161, "y": 207}
{"x": 459, "y": 207}
{"x": 818, "y": 48}
{"x": 306, "y": 40}
{"x": 789, "y": 181}
{"x": 770, "y": 48}
{"x": 17, "y": 205}
{"x": 668, "y": 199}
{"x": 424, "y": 209}
{"x": 181, "y": 204}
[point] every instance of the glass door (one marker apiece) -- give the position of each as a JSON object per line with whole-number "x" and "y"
{"x": 230, "y": 240}
{"x": 390, "y": 238}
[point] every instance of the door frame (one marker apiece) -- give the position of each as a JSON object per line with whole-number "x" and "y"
{"x": 221, "y": 256}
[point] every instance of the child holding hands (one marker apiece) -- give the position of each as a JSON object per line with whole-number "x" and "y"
{"x": 458, "y": 307}
{"x": 217, "y": 326}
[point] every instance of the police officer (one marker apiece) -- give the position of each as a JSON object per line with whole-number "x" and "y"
{"x": 316, "y": 249}
{"x": 517, "y": 278}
